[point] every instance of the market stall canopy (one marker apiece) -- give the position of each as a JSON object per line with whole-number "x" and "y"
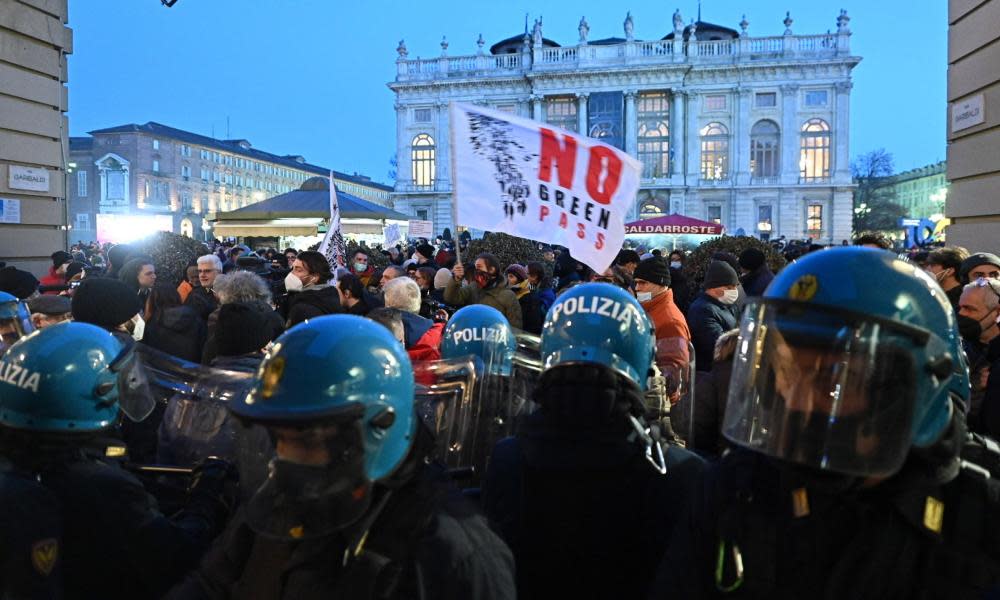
{"x": 674, "y": 225}
{"x": 301, "y": 211}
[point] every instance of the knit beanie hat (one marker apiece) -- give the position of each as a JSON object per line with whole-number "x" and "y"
{"x": 720, "y": 274}
{"x": 751, "y": 259}
{"x": 426, "y": 250}
{"x": 654, "y": 270}
{"x": 104, "y": 302}
{"x": 977, "y": 260}
{"x": 17, "y": 282}
{"x": 441, "y": 279}
{"x": 75, "y": 268}
{"x": 517, "y": 271}
{"x": 60, "y": 257}
{"x": 241, "y": 329}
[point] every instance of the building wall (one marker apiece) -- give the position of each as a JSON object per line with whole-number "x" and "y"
{"x": 34, "y": 42}
{"x": 696, "y": 80}
{"x": 973, "y": 163}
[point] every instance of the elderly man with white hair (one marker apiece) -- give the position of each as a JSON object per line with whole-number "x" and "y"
{"x": 421, "y": 337}
{"x": 242, "y": 287}
{"x": 203, "y": 299}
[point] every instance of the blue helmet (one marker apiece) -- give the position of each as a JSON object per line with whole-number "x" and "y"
{"x": 15, "y": 320}
{"x": 602, "y": 324}
{"x": 64, "y": 378}
{"x": 851, "y": 357}
{"x": 339, "y": 367}
{"x": 481, "y": 331}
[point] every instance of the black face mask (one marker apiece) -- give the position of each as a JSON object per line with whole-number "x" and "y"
{"x": 970, "y": 329}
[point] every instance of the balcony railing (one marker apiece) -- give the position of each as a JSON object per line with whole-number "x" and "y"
{"x": 738, "y": 50}
{"x": 765, "y": 180}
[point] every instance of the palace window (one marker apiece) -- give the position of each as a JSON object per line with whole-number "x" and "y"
{"x": 714, "y": 152}
{"x": 422, "y": 155}
{"x": 715, "y": 214}
{"x": 816, "y": 98}
{"x": 766, "y": 100}
{"x": 561, "y": 112}
{"x": 814, "y": 218}
{"x": 715, "y": 102}
{"x": 764, "y": 150}
{"x": 654, "y": 133}
{"x": 421, "y": 115}
{"x": 814, "y": 159}
{"x": 764, "y": 221}
{"x": 81, "y": 183}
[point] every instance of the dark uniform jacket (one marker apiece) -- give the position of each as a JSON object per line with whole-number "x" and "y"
{"x": 427, "y": 542}
{"x": 203, "y": 301}
{"x": 30, "y": 561}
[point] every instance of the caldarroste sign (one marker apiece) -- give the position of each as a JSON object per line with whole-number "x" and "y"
{"x": 540, "y": 182}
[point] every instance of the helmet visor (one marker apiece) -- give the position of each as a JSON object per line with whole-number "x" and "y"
{"x": 135, "y": 398}
{"x": 822, "y": 388}
{"x": 15, "y": 323}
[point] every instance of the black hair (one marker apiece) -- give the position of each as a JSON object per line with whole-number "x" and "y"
{"x": 316, "y": 264}
{"x": 352, "y": 284}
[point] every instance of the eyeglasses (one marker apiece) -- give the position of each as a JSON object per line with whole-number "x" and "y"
{"x": 987, "y": 283}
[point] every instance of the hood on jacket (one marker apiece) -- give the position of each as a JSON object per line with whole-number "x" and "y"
{"x": 414, "y": 328}
{"x": 323, "y": 296}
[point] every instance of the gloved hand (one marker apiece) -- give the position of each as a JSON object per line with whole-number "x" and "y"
{"x": 215, "y": 480}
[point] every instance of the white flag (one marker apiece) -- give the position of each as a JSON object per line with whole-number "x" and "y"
{"x": 332, "y": 246}
{"x": 539, "y": 182}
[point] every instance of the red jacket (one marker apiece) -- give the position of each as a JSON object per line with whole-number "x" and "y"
{"x": 53, "y": 278}
{"x": 428, "y": 347}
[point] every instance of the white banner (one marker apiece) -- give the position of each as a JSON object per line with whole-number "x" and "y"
{"x": 392, "y": 235}
{"x": 539, "y": 182}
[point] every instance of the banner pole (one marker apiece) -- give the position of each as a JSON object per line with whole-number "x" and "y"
{"x": 454, "y": 196}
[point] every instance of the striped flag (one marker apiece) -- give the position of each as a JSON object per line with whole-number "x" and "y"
{"x": 332, "y": 246}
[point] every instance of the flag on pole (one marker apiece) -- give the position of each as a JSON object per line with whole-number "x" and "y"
{"x": 332, "y": 246}
{"x": 540, "y": 182}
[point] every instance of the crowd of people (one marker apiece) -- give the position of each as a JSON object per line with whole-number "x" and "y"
{"x": 824, "y": 428}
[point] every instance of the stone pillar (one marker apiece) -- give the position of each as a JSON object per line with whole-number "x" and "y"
{"x": 536, "y": 108}
{"x": 693, "y": 159}
{"x": 442, "y": 179}
{"x": 677, "y": 137}
{"x": 841, "y": 133}
{"x": 789, "y": 134}
{"x": 403, "y": 168}
{"x": 741, "y": 137}
{"x": 581, "y": 112}
{"x": 841, "y": 220}
{"x": 791, "y": 216}
{"x": 631, "y": 124}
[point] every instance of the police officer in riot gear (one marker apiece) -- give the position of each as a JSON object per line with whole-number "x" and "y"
{"x": 584, "y": 492}
{"x": 350, "y": 509}
{"x": 852, "y": 475}
{"x": 60, "y": 387}
{"x": 15, "y": 320}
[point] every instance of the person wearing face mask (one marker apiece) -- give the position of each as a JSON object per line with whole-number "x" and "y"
{"x": 652, "y": 286}
{"x": 361, "y": 266}
{"x": 309, "y": 291}
{"x": 756, "y": 274}
{"x": 978, "y": 311}
{"x": 490, "y": 287}
{"x": 851, "y": 471}
{"x": 709, "y": 315}
{"x": 944, "y": 264}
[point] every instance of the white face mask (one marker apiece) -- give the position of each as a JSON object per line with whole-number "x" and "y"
{"x": 293, "y": 283}
{"x": 675, "y": 265}
{"x": 729, "y": 296}
{"x": 644, "y": 296}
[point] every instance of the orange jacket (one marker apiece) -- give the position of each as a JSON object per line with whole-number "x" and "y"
{"x": 183, "y": 290}
{"x": 667, "y": 318}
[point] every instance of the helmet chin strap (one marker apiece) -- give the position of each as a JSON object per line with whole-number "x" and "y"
{"x": 655, "y": 457}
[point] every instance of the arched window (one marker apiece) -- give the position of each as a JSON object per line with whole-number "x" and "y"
{"x": 187, "y": 229}
{"x": 814, "y": 156}
{"x": 764, "y": 150}
{"x": 714, "y": 152}
{"x": 652, "y": 208}
{"x": 422, "y": 159}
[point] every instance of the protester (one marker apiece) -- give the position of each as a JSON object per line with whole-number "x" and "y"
{"x": 107, "y": 303}
{"x": 57, "y": 272}
{"x": 353, "y": 296}
{"x": 422, "y": 337}
{"x": 490, "y": 288}
{"x": 309, "y": 291}
{"x": 48, "y": 310}
{"x": 190, "y": 281}
{"x": 361, "y": 267}
{"x": 978, "y": 312}
{"x": 389, "y": 273}
{"x": 423, "y": 255}
{"x": 980, "y": 265}
{"x": 441, "y": 279}
{"x": 709, "y": 315}
{"x": 139, "y": 274}
{"x": 698, "y": 418}
{"x": 172, "y": 327}
{"x": 945, "y": 264}
{"x": 249, "y": 289}
{"x": 756, "y": 273}
{"x": 16, "y": 282}
{"x": 871, "y": 240}
{"x": 628, "y": 260}
{"x": 202, "y": 299}
{"x": 541, "y": 284}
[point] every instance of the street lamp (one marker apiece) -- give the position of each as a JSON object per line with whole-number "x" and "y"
{"x": 206, "y": 227}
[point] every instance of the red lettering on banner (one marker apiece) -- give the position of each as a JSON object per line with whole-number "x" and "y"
{"x": 543, "y": 212}
{"x": 563, "y": 221}
{"x": 599, "y": 244}
{"x": 603, "y": 161}
{"x": 581, "y": 231}
{"x": 564, "y": 156}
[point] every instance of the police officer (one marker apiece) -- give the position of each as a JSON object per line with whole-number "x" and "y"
{"x": 584, "y": 493}
{"x": 15, "y": 320}
{"x": 59, "y": 387}
{"x": 852, "y": 475}
{"x": 350, "y": 509}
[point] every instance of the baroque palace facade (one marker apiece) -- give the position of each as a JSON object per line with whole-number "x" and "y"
{"x": 750, "y": 132}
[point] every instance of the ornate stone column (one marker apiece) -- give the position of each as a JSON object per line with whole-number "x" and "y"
{"x": 403, "y": 168}
{"x": 741, "y": 135}
{"x": 789, "y": 134}
{"x": 631, "y": 124}
{"x": 581, "y": 112}
{"x": 442, "y": 179}
{"x": 677, "y": 137}
{"x": 693, "y": 158}
{"x": 841, "y": 133}
{"x": 536, "y": 107}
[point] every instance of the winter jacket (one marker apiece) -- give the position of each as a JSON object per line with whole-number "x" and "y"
{"x": 314, "y": 301}
{"x": 708, "y": 319}
{"x": 203, "y": 301}
{"x": 183, "y": 290}
{"x": 668, "y": 321}
{"x": 756, "y": 281}
{"x": 421, "y": 337}
{"x": 498, "y": 295}
{"x": 275, "y": 327}
{"x": 53, "y": 278}
{"x": 702, "y": 430}
{"x": 178, "y": 331}
{"x": 532, "y": 313}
